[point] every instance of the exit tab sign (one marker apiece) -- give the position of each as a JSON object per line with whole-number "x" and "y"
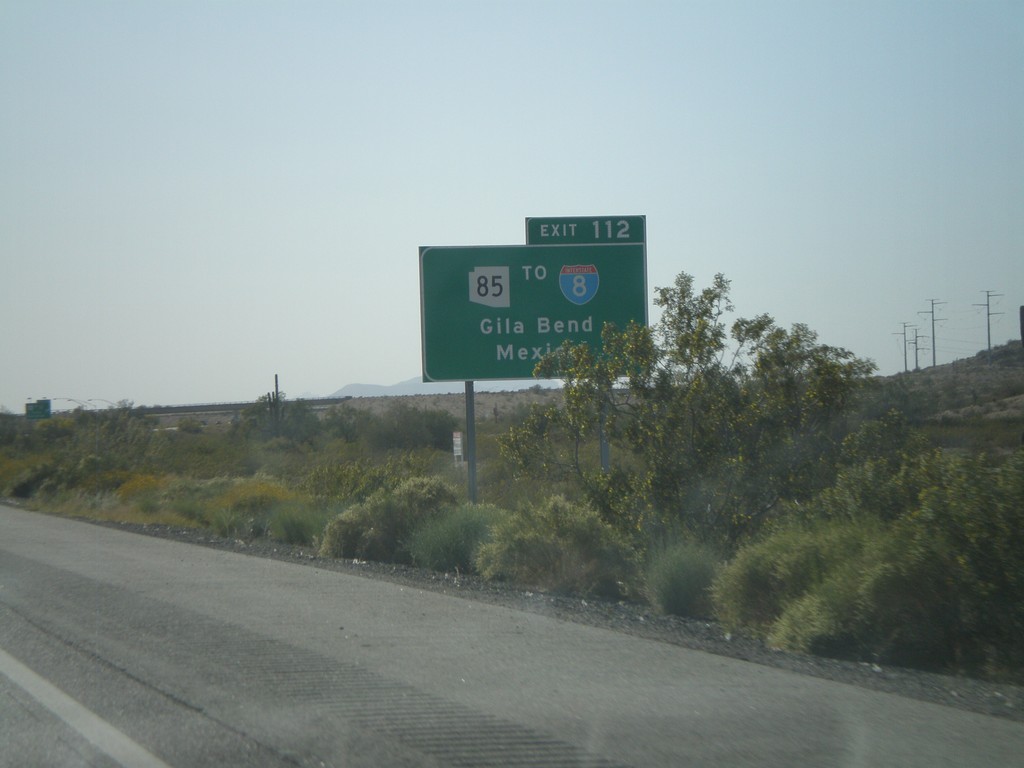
{"x": 586, "y": 230}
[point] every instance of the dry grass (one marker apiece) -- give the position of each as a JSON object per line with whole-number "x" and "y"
{"x": 109, "y": 508}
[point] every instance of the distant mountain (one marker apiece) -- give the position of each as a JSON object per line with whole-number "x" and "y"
{"x": 417, "y": 387}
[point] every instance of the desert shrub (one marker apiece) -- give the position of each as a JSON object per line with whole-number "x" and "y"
{"x": 203, "y": 454}
{"x": 378, "y": 528}
{"x": 679, "y": 579}
{"x": 971, "y": 518}
{"x": 402, "y": 427}
{"x": 244, "y": 508}
{"x": 193, "y": 499}
{"x": 23, "y": 477}
{"x": 231, "y": 523}
{"x": 358, "y": 480}
{"x": 12, "y": 428}
{"x": 139, "y": 485}
{"x": 338, "y": 538}
{"x": 940, "y": 587}
{"x": 90, "y": 476}
{"x": 868, "y": 490}
{"x": 884, "y": 603}
{"x": 450, "y": 541}
{"x": 561, "y": 546}
{"x": 191, "y": 425}
{"x": 144, "y": 491}
{"x": 191, "y": 509}
{"x": 280, "y": 457}
{"x": 755, "y": 588}
{"x": 297, "y": 522}
{"x": 255, "y": 495}
{"x": 812, "y": 623}
{"x": 11, "y": 467}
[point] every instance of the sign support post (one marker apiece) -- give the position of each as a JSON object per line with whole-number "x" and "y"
{"x": 471, "y": 441}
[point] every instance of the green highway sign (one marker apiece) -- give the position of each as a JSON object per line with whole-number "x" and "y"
{"x": 492, "y": 312}
{"x": 586, "y": 230}
{"x": 40, "y": 409}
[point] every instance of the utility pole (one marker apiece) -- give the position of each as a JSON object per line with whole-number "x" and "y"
{"x": 471, "y": 440}
{"x": 932, "y": 313}
{"x": 903, "y": 333}
{"x": 917, "y": 346}
{"x": 988, "y": 319}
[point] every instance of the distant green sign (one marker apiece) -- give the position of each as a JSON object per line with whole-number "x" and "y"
{"x": 40, "y": 409}
{"x": 586, "y": 230}
{"x": 493, "y": 312}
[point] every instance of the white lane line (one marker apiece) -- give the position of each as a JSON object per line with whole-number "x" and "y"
{"x": 96, "y": 731}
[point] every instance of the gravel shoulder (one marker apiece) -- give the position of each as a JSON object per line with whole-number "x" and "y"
{"x": 988, "y": 698}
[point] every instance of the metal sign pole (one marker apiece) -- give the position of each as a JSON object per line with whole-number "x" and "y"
{"x": 471, "y": 441}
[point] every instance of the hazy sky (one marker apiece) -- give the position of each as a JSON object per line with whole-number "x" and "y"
{"x": 195, "y": 196}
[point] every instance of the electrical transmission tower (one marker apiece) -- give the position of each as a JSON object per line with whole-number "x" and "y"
{"x": 931, "y": 312}
{"x": 917, "y": 346}
{"x": 988, "y": 319}
{"x": 903, "y": 333}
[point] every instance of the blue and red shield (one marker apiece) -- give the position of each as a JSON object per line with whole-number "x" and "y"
{"x": 579, "y": 282}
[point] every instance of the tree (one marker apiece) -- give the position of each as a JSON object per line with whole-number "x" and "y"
{"x": 712, "y": 424}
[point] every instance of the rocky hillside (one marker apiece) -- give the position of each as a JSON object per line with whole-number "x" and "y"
{"x": 971, "y": 404}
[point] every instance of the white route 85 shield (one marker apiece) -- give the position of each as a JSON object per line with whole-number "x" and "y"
{"x": 489, "y": 286}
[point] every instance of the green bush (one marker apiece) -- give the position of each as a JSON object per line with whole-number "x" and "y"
{"x": 940, "y": 587}
{"x": 190, "y": 425}
{"x": 338, "y": 538}
{"x": 885, "y": 603}
{"x": 561, "y": 546}
{"x": 245, "y": 508}
{"x": 193, "y": 499}
{"x": 357, "y": 480}
{"x": 297, "y": 522}
{"x": 231, "y": 523}
{"x": 754, "y": 589}
{"x": 93, "y": 475}
{"x": 679, "y": 579}
{"x": 143, "y": 491}
{"x": 405, "y": 428}
{"x": 450, "y": 542}
{"x": 17, "y": 472}
{"x": 139, "y": 485}
{"x": 30, "y": 478}
{"x": 971, "y": 519}
{"x": 378, "y": 528}
{"x": 190, "y": 509}
{"x": 205, "y": 454}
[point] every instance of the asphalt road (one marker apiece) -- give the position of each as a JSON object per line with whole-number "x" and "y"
{"x": 119, "y": 649}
